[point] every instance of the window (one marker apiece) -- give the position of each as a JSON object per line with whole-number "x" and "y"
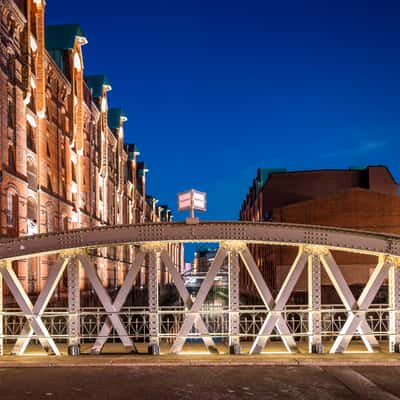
{"x": 64, "y": 188}
{"x": 49, "y": 219}
{"x": 31, "y": 174}
{"x": 65, "y": 223}
{"x": 73, "y": 171}
{"x": 30, "y": 137}
{"x": 62, "y": 156}
{"x": 110, "y": 156}
{"x": 11, "y": 158}
{"x": 10, "y": 68}
{"x": 48, "y": 146}
{"x": 11, "y": 110}
{"x": 31, "y": 275}
{"x": 32, "y": 227}
{"x": 32, "y": 102}
{"x": 49, "y": 185}
{"x": 31, "y": 209}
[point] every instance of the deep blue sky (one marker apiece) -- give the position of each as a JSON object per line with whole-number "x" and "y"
{"x": 215, "y": 89}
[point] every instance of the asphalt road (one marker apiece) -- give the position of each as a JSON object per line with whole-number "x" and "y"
{"x": 275, "y": 382}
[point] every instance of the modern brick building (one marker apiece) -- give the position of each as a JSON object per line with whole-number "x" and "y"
{"x": 356, "y": 198}
{"x": 64, "y": 164}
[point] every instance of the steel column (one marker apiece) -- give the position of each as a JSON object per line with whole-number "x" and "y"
{"x": 394, "y": 306}
{"x": 314, "y": 302}
{"x": 234, "y": 303}
{"x": 154, "y": 341}
{"x": 74, "y": 304}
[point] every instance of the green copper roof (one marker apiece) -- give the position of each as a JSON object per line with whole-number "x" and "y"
{"x": 58, "y": 57}
{"x": 96, "y": 83}
{"x": 264, "y": 174}
{"x": 141, "y": 167}
{"x": 132, "y": 151}
{"x": 62, "y": 37}
{"x": 150, "y": 199}
{"x": 114, "y": 117}
{"x": 357, "y": 168}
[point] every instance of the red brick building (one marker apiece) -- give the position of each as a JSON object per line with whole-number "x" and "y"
{"x": 357, "y": 198}
{"x": 64, "y": 164}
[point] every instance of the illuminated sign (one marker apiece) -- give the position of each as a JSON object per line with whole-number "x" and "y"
{"x": 185, "y": 201}
{"x": 192, "y": 200}
{"x": 199, "y": 200}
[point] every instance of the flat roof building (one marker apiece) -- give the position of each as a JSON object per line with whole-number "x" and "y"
{"x": 362, "y": 198}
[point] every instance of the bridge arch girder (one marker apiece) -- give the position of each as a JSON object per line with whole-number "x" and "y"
{"x": 248, "y": 232}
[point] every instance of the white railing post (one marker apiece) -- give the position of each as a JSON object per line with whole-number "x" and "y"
{"x": 73, "y": 307}
{"x": 314, "y": 302}
{"x": 154, "y": 342}
{"x": 394, "y": 306}
{"x": 234, "y": 303}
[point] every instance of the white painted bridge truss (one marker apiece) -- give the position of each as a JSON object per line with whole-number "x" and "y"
{"x": 314, "y": 253}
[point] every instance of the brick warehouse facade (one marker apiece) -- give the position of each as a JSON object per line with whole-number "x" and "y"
{"x": 357, "y": 198}
{"x": 64, "y": 164}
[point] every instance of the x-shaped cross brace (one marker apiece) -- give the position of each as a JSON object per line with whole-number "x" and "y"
{"x": 33, "y": 313}
{"x": 356, "y": 320}
{"x": 194, "y": 314}
{"x": 112, "y": 308}
{"x": 55, "y": 273}
{"x": 183, "y": 292}
{"x": 275, "y": 307}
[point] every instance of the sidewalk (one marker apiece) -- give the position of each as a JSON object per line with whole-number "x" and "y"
{"x": 195, "y": 355}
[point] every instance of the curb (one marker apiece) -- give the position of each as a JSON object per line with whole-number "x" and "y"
{"x": 201, "y": 363}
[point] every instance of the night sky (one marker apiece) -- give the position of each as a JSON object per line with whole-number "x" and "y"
{"x": 215, "y": 89}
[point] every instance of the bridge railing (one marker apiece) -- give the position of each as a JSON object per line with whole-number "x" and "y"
{"x": 136, "y": 322}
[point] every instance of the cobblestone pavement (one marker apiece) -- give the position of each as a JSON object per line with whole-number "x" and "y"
{"x": 179, "y": 382}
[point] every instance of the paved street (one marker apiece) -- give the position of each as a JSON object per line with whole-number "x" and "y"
{"x": 274, "y": 382}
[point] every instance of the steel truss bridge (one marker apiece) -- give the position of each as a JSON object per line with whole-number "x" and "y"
{"x": 234, "y": 323}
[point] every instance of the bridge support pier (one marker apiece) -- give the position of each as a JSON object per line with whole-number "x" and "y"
{"x": 154, "y": 341}
{"x": 314, "y": 303}
{"x": 234, "y": 303}
{"x": 73, "y": 307}
{"x": 394, "y": 306}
